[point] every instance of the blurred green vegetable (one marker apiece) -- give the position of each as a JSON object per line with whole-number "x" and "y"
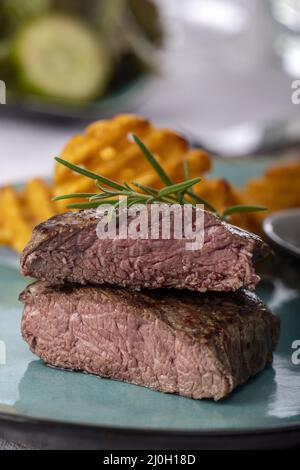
{"x": 147, "y": 17}
{"x": 15, "y": 13}
{"x": 60, "y": 56}
{"x": 75, "y": 50}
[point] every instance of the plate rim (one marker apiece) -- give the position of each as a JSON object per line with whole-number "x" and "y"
{"x": 96, "y": 108}
{"x": 30, "y": 420}
{"x": 50, "y": 435}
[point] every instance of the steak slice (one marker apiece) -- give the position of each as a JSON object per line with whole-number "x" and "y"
{"x": 199, "y": 346}
{"x": 66, "y": 249}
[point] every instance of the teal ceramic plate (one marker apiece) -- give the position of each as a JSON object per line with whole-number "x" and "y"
{"x": 68, "y": 409}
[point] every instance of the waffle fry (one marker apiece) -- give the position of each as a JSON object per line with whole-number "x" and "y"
{"x": 106, "y": 149}
{"x": 16, "y": 223}
{"x": 221, "y": 194}
{"x": 21, "y": 211}
{"x": 37, "y": 195}
{"x": 4, "y": 233}
{"x": 278, "y": 189}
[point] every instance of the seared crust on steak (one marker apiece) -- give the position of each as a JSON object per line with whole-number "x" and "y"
{"x": 195, "y": 345}
{"x": 66, "y": 249}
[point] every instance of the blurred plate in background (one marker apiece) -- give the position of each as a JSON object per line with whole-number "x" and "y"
{"x": 283, "y": 230}
{"x": 125, "y": 99}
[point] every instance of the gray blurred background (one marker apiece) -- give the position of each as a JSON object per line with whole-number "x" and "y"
{"x": 222, "y": 65}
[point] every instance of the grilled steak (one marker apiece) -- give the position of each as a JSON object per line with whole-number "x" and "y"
{"x": 66, "y": 249}
{"x": 215, "y": 343}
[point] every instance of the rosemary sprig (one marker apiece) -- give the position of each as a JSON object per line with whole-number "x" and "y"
{"x": 241, "y": 208}
{"x": 111, "y": 191}
{"x": 89, "y": 174}
{"x": 74, "y": 196}
{"x": 153, "y": 162}
{"x": 91, "y": 205}
{"x": 197, "y": 199}
{"x": 178, "y": 188}
{"x": 145, "y": 189}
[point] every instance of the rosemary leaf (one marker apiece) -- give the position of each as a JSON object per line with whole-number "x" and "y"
{"x": 186, "y": 169}
{"x": 134, "y": 201}
{"x": 241, "y": 208}
{"x": 89, "y": 174}
{"x": 74, "y": 196}
{"x": 199, "y": 200}
{"x": 153, "y": 162}
{"x": 99, "y": 197}
{"x": 146, "y": 189}
{"x": 126, "y": 185}
{"x": 90, "y": 205}
{"x": 179, "y": 187}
